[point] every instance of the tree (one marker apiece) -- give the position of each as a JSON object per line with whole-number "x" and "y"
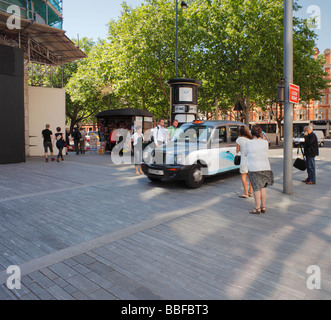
{"x": 89, "y": 88}
{"x": 234, "y": 46}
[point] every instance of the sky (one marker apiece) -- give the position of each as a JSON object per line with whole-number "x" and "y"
{"x": 88, "y": 18}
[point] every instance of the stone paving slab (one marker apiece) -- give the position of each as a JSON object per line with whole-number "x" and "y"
{"x": 86, "y": 229}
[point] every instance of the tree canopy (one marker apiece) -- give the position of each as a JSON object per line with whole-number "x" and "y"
{"x": 234, "y": 46}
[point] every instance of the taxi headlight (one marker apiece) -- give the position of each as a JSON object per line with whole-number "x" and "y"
{"x": 179, "y": 158}
{"x": 146, "y": 155}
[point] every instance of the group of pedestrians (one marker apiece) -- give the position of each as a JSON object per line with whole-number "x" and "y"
{"x": 255, "y": 166}
{"x": 49, "y": 140}
{"x": 256, "y": 173}
{"x": 161, "y": 135}
{"x": 61, "y": 141}
{"x": 79, "y": 136}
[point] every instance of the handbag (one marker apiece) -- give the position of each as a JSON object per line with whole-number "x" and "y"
{"x": 300, "y": 163}
{"x": 237, "y": 160}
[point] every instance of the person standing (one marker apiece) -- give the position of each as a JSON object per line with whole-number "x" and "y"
{"x": 160, "y": 134}
{"x": 48, "y": 136}
{"x": 112, "y": 138}
{"x": 259, "y": 170}
{"x": 76, "y": 136}
{"x": 82, "y": 140}
{"x": 171, "y": 131}
{"x": 67, "y": 140}
{"x": 137, "y": 139}
{"x": 310, "y": 148}
{"x": 58, "y": 137}
{"x": 245, "y": 136}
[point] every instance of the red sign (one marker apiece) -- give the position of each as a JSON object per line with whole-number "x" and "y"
{"x": 294, "y": 93}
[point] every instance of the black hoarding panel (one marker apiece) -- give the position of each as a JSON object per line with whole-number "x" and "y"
{"x": 12, "y": 140}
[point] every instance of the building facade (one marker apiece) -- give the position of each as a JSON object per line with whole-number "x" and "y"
{"x": 317, "y": 113}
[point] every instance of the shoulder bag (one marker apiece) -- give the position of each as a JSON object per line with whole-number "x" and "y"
{"x": 300, "y": 163}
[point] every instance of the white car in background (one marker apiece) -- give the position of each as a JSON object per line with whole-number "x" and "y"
{"x": 300, "y": 139}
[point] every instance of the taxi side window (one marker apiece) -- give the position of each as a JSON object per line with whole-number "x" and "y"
{"x": 220, "y": 135}
{"x": 234, "y": 133}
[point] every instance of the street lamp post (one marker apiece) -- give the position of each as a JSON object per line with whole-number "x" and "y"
{"x": 288, "y": 106}
{"x": 184, "y": 6}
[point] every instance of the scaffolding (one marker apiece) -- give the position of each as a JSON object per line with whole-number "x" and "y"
{"x": 47, "y": 12}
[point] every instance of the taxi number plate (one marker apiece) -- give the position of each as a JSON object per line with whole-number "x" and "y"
{"x": 157, "y": 172}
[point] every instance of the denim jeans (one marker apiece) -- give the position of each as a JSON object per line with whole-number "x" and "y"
{"x": 311, "y": 169}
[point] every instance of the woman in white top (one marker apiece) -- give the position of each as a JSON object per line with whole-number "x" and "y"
{"x": 259, "y": 170}
{"x": 245, "y": 136}
{"x": 138, "y": 139}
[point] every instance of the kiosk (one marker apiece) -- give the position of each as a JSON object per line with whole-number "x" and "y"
{"x": 117, "y": 119}
{"x": 184, "y": 99}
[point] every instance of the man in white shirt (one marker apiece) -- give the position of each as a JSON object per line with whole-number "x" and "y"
{"x": 160, "y": 134}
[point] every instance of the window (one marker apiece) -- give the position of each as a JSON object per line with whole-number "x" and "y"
{"x": 234, "y": 133}
{"x": 261, "y": 116}
{"x": 220, "y": 135}
{"x": 319, "y": 114}
{"x": 301, "y": 114}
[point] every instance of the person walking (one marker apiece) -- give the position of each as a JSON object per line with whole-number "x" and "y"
{"x": 259, "y": 170}
{"x": 137, "y": 139}
{"x": 245, "y": 136}
{"x": 59, "y": 138}
{"x": 160, "y": 134}
{"x": 310, "y": 148}
{"x": 48, "y": 136}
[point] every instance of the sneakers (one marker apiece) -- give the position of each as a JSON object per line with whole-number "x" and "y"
{"x": 46, "y": 159}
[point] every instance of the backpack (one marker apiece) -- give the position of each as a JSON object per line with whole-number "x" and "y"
{"x": 76, "y": 135}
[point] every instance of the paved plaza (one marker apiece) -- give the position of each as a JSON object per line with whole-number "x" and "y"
{"x": 87, "y": 229}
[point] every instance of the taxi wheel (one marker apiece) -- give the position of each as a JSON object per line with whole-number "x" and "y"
{"x": 195, "y": 178}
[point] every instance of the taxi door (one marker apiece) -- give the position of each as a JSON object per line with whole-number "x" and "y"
{"x": 223, "y": 149}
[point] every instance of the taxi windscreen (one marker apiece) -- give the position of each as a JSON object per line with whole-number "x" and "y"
{"x": 192, "y": 134}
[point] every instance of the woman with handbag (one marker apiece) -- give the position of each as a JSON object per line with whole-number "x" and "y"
{"x": 259, "y": 170}
{"x": 60, "y": 142}
{"x": 245, "y": 136}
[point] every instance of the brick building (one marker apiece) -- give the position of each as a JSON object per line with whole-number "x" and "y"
{"x": 316, "y": 112}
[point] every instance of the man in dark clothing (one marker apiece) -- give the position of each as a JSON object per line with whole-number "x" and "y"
{"x": 47, "y": 136}
{"x": 76, "y": 135}
{"x": 310, "y": 151}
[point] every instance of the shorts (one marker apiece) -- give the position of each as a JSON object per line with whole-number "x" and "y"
{"x": 47, "y": 145}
